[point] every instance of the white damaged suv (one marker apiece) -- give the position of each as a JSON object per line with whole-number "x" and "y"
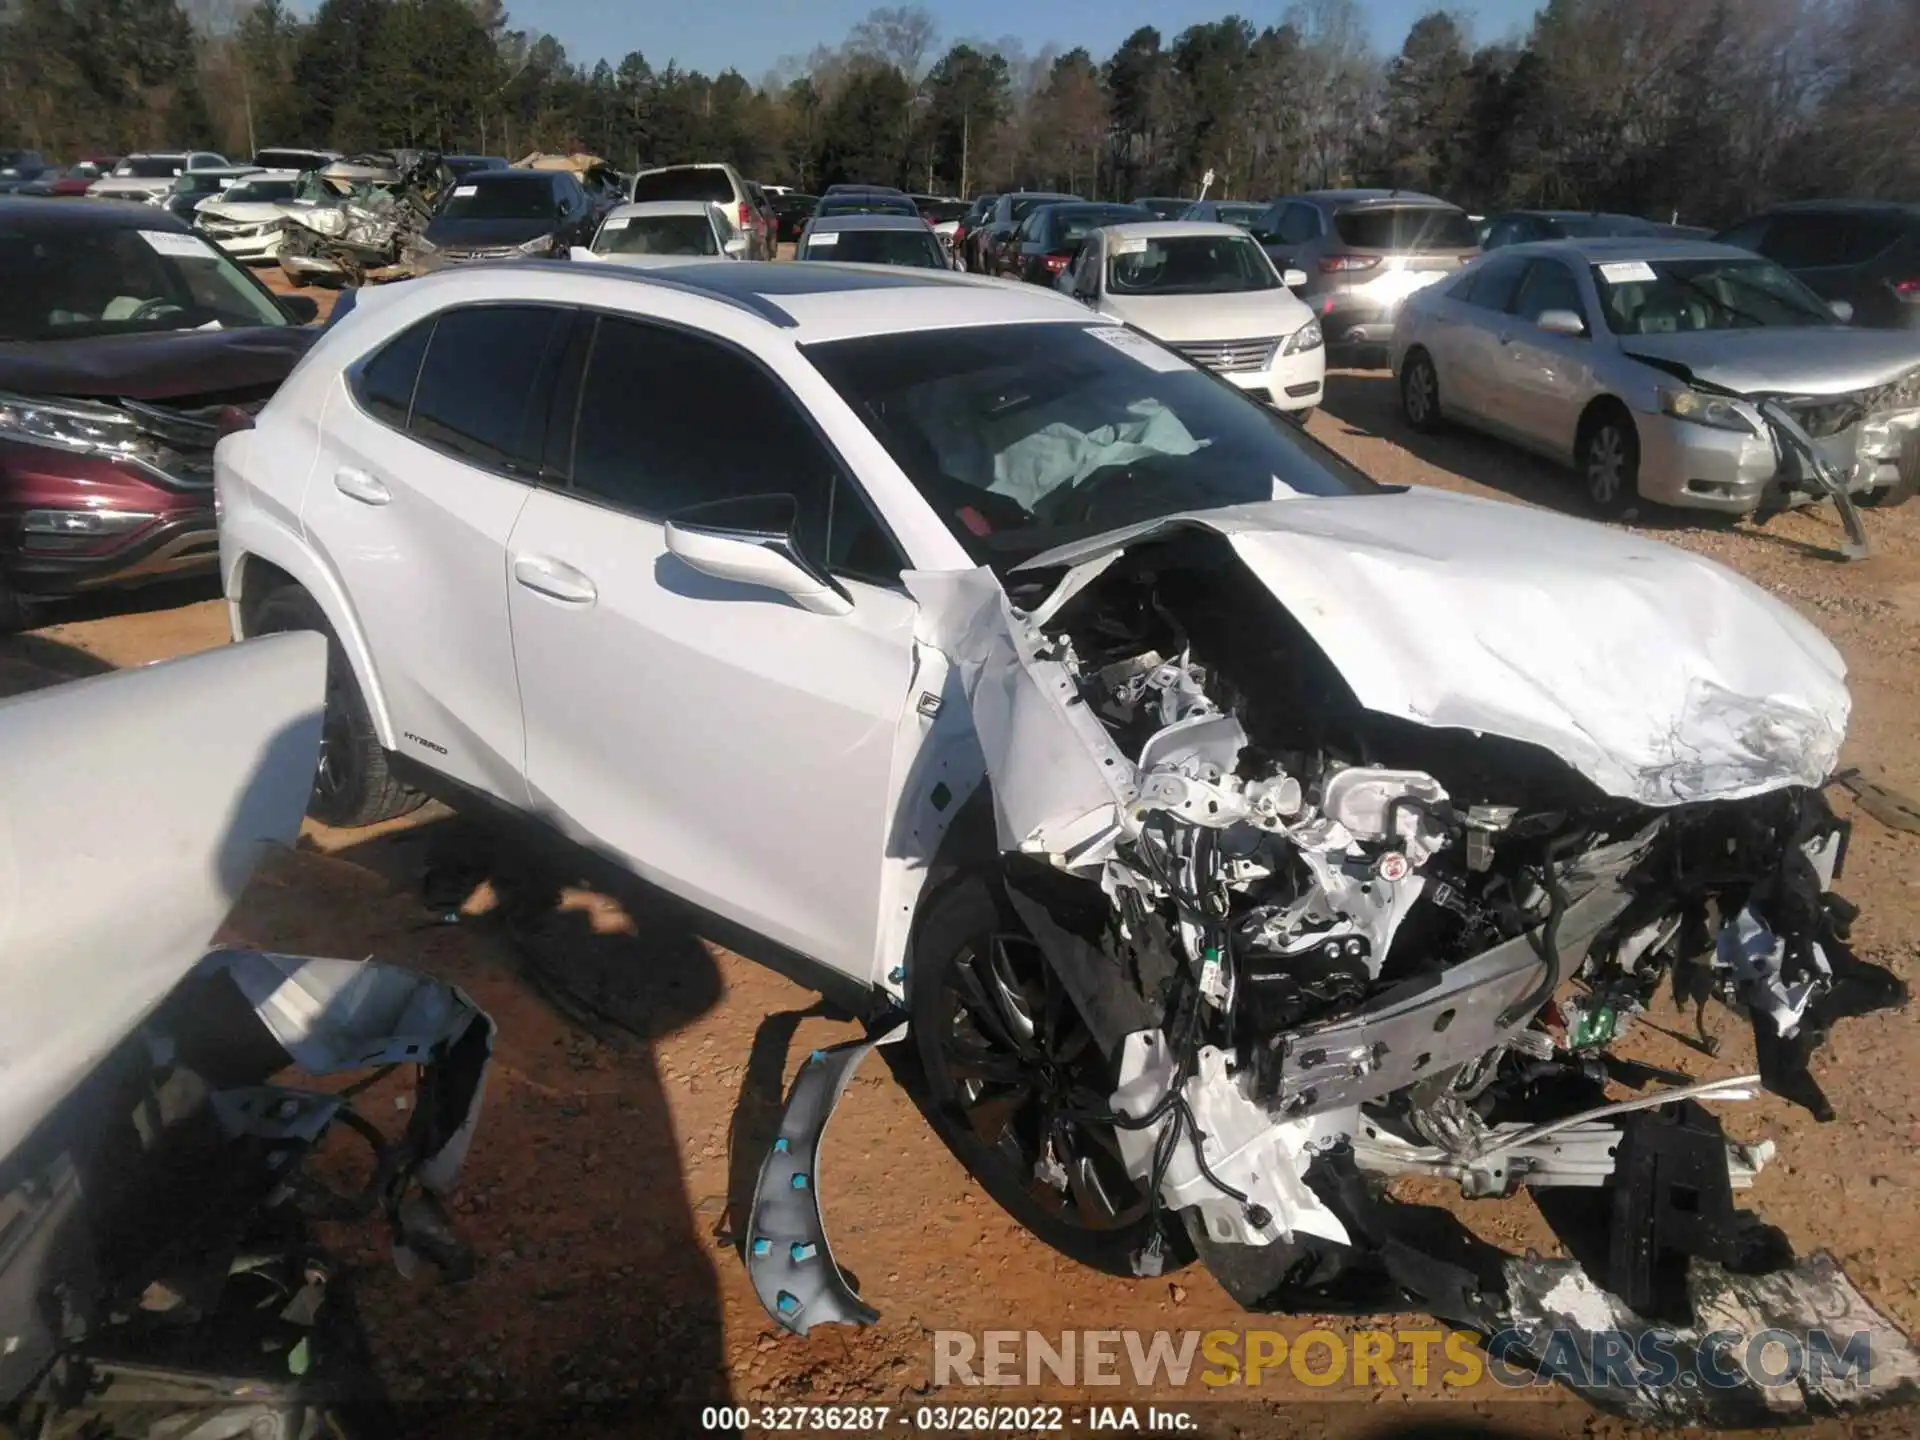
{"x": 1226, "y": 832}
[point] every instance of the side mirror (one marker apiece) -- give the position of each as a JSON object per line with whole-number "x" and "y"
{"x": 736, "y": 246}
{"x": 750, "y": 542}
{"x": 300, "y": 309}
{"x": 1293, "y": 279}
{"x": 1843, "y": 311}
{"x": 1561, "y": 322}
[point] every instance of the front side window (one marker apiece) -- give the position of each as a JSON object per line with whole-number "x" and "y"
{"x": 76, "y": 283}
{"x": 530, "y": 197}
{"x": 477, "y": 396}
{"x": 669, "y": 420}
{"x": 1188, "y": 265}
{"x": 1491, "y": 285}
{"x": 1641, "y": 297}
{"x": 1550, "y": 286}
{"x": 656, "y": 235}
{"x": 1022, "y": 437}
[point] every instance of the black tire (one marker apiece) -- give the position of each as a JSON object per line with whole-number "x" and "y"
{"x": 352, "y": 784}
{"x": 1300, "y": 417}
{"x": 1420, "y": 392}
{"x": 16, "y": 613}
{"x": 981, "y": 1116}
{"x": 1609, "y": 459}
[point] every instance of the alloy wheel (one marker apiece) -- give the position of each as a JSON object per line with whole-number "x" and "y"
{"x": 1026, "y": 1071}
{"x": 1606, "y": 467}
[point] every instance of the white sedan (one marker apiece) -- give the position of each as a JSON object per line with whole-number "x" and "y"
{"x": 1209, "y": 291}
{"x": 652, "y": 234}
{"x": 1202, "y": 813}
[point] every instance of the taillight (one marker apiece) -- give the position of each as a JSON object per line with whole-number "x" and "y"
{"x": 1056, "y": 263}
{"x": 1907, "y": 289}
{"x": 1335, "y": 264}
{"x": 746, "y": 215}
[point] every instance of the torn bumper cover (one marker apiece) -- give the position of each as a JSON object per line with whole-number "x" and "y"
{"x": 1403, "y": 807}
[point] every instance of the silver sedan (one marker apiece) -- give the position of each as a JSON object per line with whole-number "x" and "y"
{"x": 1680, "y": 372}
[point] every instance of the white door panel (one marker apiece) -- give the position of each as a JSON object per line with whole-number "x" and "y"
{"x": 419, "y": 541}
{"x": 715, "y": 737}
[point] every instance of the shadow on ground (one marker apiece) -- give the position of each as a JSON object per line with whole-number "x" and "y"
{"x": 575, "y": 1172}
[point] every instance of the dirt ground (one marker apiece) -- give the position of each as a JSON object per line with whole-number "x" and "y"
{"x": 614, "y": 1156}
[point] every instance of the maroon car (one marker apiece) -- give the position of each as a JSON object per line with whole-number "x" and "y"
{"x": 128, "y": 346}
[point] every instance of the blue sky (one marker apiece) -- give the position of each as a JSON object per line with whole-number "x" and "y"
{"x": 753, "y": 35}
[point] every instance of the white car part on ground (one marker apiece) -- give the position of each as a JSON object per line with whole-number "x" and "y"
{"x": 123, "y": 846}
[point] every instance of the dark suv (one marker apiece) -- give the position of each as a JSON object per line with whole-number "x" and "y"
{"x": 128, "y": 346}
{"x": 503, "y": 214}
{"x": 1865, "y": 252}
{"x": 1364, "y": 251}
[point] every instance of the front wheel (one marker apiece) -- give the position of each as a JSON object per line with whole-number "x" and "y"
{"x": 1011, "y": 1071}
{"x": 1610, "y": 465}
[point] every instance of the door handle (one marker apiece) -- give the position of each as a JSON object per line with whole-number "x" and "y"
{"x": 359, "y": 485}
{"x": 554, "y": 580}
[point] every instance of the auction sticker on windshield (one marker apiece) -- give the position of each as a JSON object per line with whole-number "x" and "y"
{"x": 460, "y": 192}
{"x": 615, "y": 222}
{"x": 825, "y": 237}
{"x": 166, "y": 242}
{"x": 1139, "y": 347}
{"x": 1628, "y": 272}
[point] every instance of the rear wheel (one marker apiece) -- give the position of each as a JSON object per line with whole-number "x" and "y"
{"x": 352, "y": 784}
{"x": 1420, "y": 392}
{"x": 1010, "y": 1069}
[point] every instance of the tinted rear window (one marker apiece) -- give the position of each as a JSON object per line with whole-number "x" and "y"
{"x": 475, "y": 395}
{"x": 1406, "y": 227}
{"x": 1022, "y": 205}
{"x": 697, "y": 182}
{"x": 866, "y": 205}
{"x": 152, "y": 167}
{"x": 878, "y": 247}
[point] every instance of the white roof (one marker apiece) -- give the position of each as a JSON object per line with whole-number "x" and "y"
{"x": 664, "y": 207}
{"x": 1168, "y": 229}
{"x": 804, "y": 303}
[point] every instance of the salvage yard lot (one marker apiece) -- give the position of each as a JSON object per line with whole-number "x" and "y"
{"x": 638, "y": 1071}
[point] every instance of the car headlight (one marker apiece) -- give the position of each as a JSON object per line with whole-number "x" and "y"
{"x": 539, "y": 245}
{"x": 1714, "y": 411}
{"x": 74, "y": 425}
{"x": 1308, "y": 337}
{"x": 90, "y": 523}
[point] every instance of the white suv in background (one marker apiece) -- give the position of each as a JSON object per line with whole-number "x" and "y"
{"x": 714, "y": 184}
{"x": 1209, "y": 291}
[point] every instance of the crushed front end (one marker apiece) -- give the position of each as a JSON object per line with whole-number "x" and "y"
{"x": 1378, "y": 947}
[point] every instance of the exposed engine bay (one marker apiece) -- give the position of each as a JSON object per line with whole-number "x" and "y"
{"x": 1325, "y": 942}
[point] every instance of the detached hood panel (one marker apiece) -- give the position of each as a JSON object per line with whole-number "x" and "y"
{"x": 1661, "y": 677}
{"x": 1812, "y": 361}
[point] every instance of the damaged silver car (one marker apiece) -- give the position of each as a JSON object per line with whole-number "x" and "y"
{"x": 159, "y": 1269}
{"x": 359, "y": 221}
{"x": 1680, "y": 372}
